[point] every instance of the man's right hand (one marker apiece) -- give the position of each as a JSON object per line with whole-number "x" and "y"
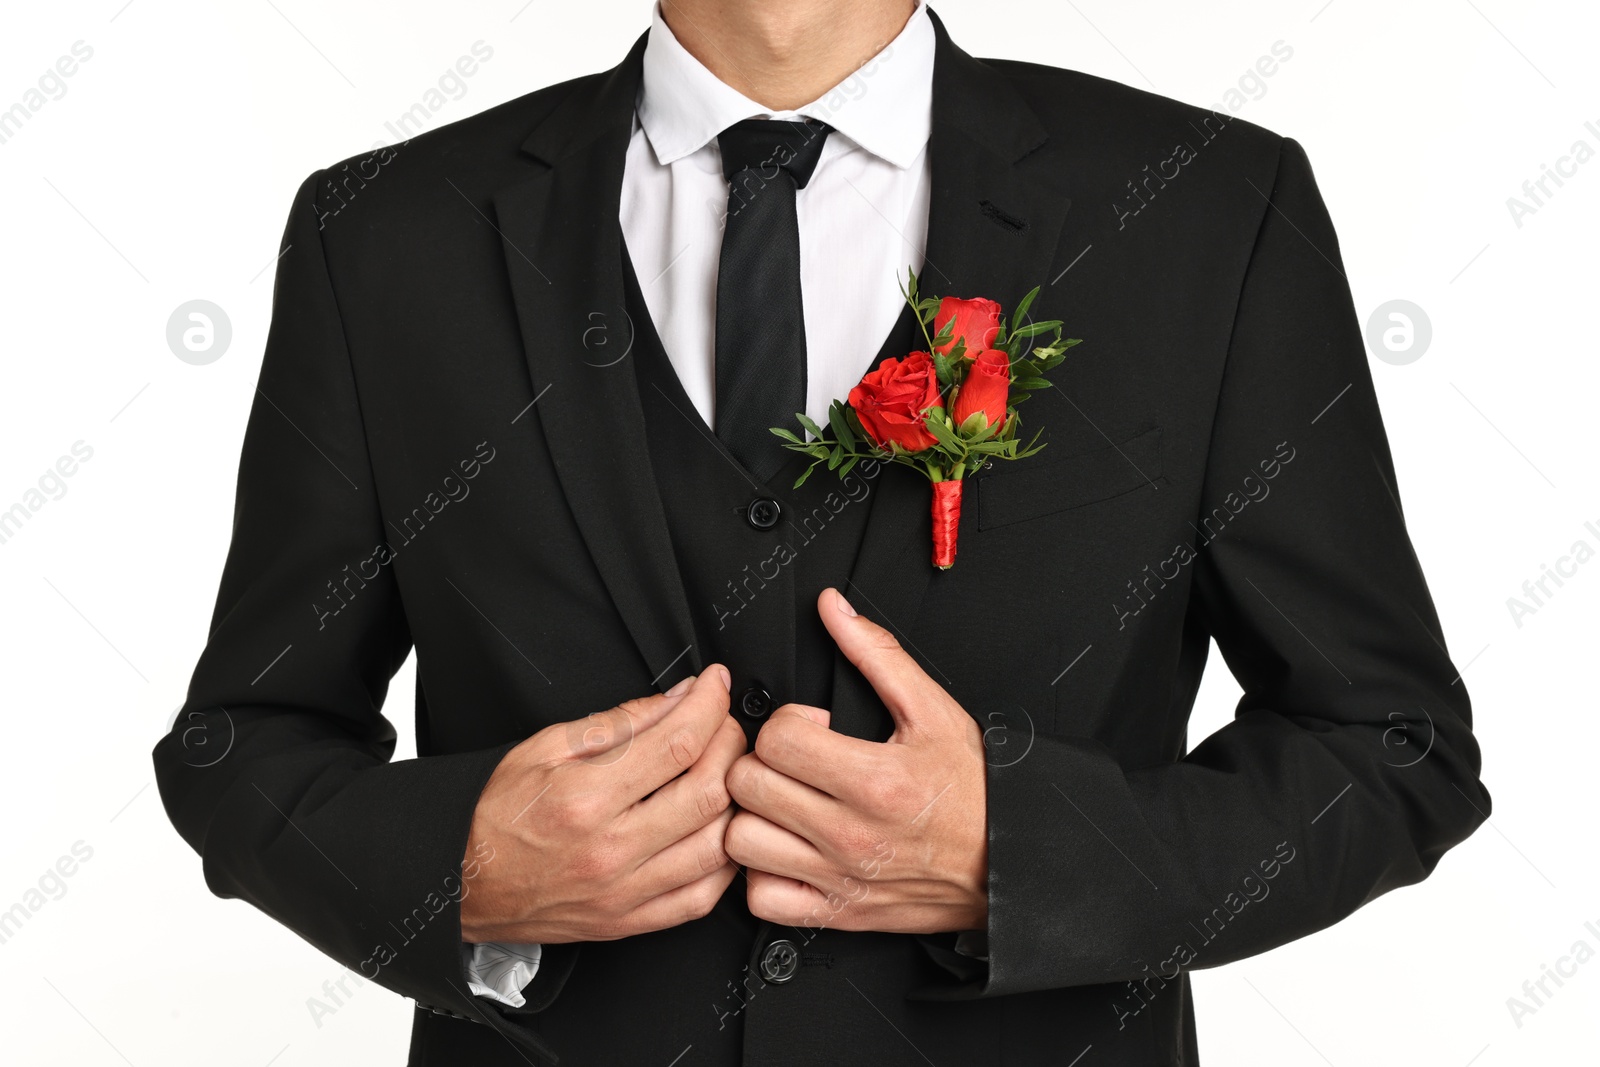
{"x": 608, "y": 826}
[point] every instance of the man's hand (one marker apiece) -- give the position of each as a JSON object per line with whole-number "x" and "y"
{"x": 849, "y": 834}
{"x": 608, "y": 826}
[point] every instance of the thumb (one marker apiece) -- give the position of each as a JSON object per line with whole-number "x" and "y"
{"x": 820, "y": 716}
{"x": 916, "y": 702}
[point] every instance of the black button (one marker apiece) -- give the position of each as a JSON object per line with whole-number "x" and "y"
{"x": 780, "y": 961}
{"x": 755, "y": 702}
{"x": 763, "y": 513}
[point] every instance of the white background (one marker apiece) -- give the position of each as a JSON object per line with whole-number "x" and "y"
{"x": 165, "y": 172}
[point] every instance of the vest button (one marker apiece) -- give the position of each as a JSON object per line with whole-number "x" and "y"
{"x": 755, "y": 702}
{"x": 779, "y": 962}
{"x": 763, "y": 512}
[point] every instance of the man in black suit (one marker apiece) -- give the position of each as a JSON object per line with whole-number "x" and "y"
{"x": 872, "y": 813}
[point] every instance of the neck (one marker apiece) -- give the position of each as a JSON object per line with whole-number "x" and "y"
{"x": 784, "y": 53}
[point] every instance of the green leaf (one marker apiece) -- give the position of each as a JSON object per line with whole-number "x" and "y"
{"x": 787, "y": 436}
{"x": 940, "y": 428}
{"x": 1034, "y": 329}
{"x": 1032, "y": 383}
{"x": 841, "y": 427}
{"x": 835, "y": 457}
{"x": 1022, "y": 308}
{"x": 805, "y": 420}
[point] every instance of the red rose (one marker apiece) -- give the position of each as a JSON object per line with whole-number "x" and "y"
{"x": 890, "y": 402}
{"x": 985, "y": 388}
{"x": 977, "y": 323}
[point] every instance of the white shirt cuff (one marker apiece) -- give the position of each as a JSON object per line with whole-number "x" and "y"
{"x": 501, "y": 972}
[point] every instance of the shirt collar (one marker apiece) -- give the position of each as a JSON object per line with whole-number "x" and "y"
{"x": 886, "y": 106}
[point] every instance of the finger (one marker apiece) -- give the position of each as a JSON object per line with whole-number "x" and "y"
{"x": 604, "y": 733}
{"x": 692, "y": 799}
{"x": 791, "y": 902}
{"x": 797, "y": 807}
{"x": 794, "y": 742}
{"x": 684, "y": 904}
{"x": 820, "y": 716}
{"x": 913, "y": 699}
{"x": 668, "y": 747}
{"x": 683, "y": 862}
{"x": 761, "y": 845}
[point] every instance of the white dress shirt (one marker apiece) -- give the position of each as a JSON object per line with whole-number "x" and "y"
{"x": 863, "y": 215}
{"x": 863, "y": 222}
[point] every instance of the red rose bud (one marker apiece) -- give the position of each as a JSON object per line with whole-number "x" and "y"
{"x": 946, "y": 521}
{"x": 890, "y": 402}
{"x": 977, "y": 323}
{"x": 985, "y": 388}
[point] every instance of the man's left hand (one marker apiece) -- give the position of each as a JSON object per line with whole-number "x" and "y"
{"x": 841, "y": 833}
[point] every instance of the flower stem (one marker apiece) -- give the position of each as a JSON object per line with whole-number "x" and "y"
{"x": 946, "y": 521}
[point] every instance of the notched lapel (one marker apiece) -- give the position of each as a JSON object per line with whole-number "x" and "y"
{"x": 563, "y": 248}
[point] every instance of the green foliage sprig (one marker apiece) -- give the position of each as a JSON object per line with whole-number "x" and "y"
{"x": 958, "y": 450}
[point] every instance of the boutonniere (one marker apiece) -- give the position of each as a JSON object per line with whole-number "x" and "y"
{"x": 947, "y": 411}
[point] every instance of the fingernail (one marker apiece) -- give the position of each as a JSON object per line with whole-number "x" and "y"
{"x": 844, "y": 605}
{"x": 681, "y": 688}
{"x": 727, "y": 679}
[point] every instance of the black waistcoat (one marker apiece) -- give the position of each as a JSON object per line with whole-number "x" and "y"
{"x": 754, "y": 556}
{"x": 753, "y": 580}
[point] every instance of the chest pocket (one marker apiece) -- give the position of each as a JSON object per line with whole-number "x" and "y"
{"x": 1044, "y": 484}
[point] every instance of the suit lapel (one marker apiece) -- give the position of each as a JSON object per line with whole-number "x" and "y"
{"x": 993, "y": 230}
{"x": 563, "y": 248}
{"x": 994, "y": 227}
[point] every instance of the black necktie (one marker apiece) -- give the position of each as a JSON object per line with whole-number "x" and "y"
{"x": 761, "y": 338}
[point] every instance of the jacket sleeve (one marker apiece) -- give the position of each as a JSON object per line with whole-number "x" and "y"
{"x": 1349, "y": 767}
{"x": 277, "y": 769}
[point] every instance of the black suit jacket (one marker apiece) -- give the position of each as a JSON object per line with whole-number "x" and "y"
{"x": 444, "y": 456}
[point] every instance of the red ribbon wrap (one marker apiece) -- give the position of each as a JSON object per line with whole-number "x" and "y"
{"x": 946, "y": 521}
